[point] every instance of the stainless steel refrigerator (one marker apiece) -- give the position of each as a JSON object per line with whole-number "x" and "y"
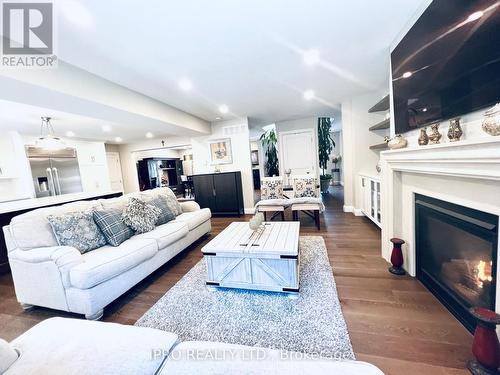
{"x": 54, "y": 172}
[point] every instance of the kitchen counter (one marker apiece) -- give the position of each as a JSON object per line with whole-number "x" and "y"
{"x": 32, "y": 203}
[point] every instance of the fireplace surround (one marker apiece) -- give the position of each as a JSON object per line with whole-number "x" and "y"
{"x": 456, "y": 255}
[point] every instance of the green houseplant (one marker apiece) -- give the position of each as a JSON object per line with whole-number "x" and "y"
{"x": 269, "y": 141}
{"x": 325, "y": 147}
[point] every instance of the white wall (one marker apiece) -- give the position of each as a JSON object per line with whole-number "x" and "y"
{"x": 237, "y": 131}
{"x": 358, "y": 158}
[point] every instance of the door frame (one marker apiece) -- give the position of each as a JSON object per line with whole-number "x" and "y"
{"x": 281, "y": 148}
{"x": 117, "y": 154}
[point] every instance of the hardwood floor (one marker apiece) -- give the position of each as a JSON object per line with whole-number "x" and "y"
{"x": 394, "y": 322}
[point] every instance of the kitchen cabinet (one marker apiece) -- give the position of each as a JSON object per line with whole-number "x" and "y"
{"x": 370, "y": 193}
{"x": 91, "y": 153}
{"x": 221, "y": 192}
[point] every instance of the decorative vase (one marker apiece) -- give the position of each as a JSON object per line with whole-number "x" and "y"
{"x": 397, "y": 257}
{"x": 423, "y": 139}
{"x": 435, "y": 135}
{"x": 397, "y": 142}
{"x": 454, "y": 130}
{"x": 324, "y": 185}
{"x": 485, "y": 346}
{"x": 491, "y": 122}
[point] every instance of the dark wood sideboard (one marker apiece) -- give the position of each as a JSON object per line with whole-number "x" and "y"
{"x": 221, "y": 192}
{"x": 5, "y": 219}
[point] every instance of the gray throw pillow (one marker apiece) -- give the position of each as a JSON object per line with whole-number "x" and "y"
{"x": 173, "y": 204}
{"x": 112, "y": 226}
{"x": 77, "y": 229}
{"x": 140, "y": 216}
{"x": 166, "y": 213}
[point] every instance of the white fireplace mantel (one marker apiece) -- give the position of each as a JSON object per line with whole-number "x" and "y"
{"x": 464, "y": 172}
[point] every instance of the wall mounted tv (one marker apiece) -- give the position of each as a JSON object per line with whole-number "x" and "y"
{"x": 448, "y": 64}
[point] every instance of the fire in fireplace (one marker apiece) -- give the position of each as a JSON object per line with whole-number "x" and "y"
{"x": 456, "y": 250}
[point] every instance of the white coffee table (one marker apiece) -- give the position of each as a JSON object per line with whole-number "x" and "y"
{"x": 267, "y": 262}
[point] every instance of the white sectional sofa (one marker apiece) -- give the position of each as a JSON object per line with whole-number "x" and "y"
{"x": 62, "y": 278}
{"x": 60, "y": 346}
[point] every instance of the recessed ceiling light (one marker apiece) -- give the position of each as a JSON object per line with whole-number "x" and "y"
{"x": 475, "y": 16}
{"x": 118, "y": 139}
{"x": 311, "y": 57}
{"x": 106, "y": 128}
{"x": 407, "y": 74}
{"x": 308, "y": 94}
{"x": 218, "y": 118}
{"x": 223, "y": 109}
{"x": 185, "y": 84}
{"x": 149, "y": 135}
{"x": 70, "y": 134}
{"x": 424, "y": 109}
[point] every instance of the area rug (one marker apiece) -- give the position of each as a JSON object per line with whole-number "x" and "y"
{"x": 312, "y": 323}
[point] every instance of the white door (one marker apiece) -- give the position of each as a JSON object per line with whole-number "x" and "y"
{"x": 115, "y": 171}
{"x": 298, "y": 151}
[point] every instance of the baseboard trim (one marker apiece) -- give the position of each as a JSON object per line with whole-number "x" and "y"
{"x": 358, "y": 212}
{"x": 348, "y": 208}
{"x": 249, "y": 211}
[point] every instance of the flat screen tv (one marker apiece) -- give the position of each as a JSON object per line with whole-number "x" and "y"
{"x": 448, "y": 64}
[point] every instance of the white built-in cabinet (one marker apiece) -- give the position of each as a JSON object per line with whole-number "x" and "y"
{"x": 370, "y": 192}
{"x": 93, "y": 166}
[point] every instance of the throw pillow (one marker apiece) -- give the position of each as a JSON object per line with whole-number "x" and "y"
{"x": 271, "y": 188}
{"x": 140, "y": 216}
{"x": 112, "y": 226}
{"x": 172, "y": 203}
{"x": 166, "y": 213}
{"x": 305, "y": 187}
{"x": 77, "y": 229}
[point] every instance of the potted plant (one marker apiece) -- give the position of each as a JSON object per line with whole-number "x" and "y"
{"x": 325, "y": 147}
{"x": 269, "y": 141}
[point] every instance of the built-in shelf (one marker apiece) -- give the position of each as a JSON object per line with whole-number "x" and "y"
{"x": 382, "y": 105}
{"x": 381, "y": 125}
{"x": 380, "y": 146}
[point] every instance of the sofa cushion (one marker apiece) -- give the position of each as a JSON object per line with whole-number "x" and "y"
{"x": 78, "y": 230}
{"x": 194, "y": 218}
{"x": 166, "y": 213}
{"x": 32, "y": 229}
{"x": 166, "y": 234}
{"x": 77, "y": 347}
{"x": 140, "y": 216}
{"x": 112, "y": 226}
{"x": 211, "y": 358}
{"x": 107, "y": 262}
{"x": 7, "y": 356}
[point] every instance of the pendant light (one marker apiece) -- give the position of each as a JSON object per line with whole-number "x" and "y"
{"x": 47, "y": 139}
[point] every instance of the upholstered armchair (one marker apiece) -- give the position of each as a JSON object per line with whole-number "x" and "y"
{"x": 306, "y": 197}
{"x": 271, "y": 195}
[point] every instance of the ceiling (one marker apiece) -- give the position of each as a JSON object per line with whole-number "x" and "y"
{"x": 247, "y": 55}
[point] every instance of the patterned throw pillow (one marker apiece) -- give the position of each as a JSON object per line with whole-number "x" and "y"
{"x": 305, "y": 187}
{"x": 172, "y": 203}
{"x": 112, "y": 226}
{"x": 140, "y": 216}
{"x": 77, "y": 229}
{"x": 166, "y": 213}
{"x": 271, "y": 188}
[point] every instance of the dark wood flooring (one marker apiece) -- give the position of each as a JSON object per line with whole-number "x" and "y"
{"x": 394, "y": 323}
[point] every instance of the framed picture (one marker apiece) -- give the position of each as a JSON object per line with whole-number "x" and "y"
{"x": 255, "y": 157}
{"x": 220, "y": 151}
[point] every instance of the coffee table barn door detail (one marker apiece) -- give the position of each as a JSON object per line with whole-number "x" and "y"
{"x": 268, "y": 261}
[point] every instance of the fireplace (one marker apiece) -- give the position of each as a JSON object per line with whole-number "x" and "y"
{"x": 456, "y": 251}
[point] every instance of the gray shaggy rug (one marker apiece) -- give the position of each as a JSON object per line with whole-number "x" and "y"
{"x": 312, "y": 323}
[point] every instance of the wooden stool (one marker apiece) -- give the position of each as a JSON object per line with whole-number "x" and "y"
{"x": 485, "y": 346}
